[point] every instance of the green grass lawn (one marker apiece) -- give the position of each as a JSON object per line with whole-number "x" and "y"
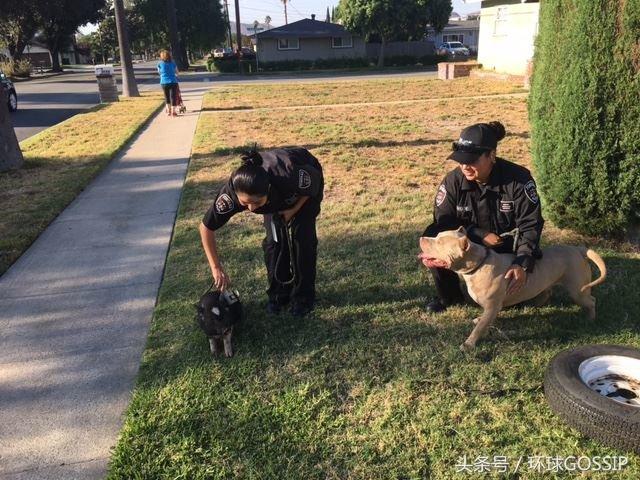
{"x": 369, "y": 386}
{"x": 59, "y": 163}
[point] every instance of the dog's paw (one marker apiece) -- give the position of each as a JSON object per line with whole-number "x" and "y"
{"x": 466, "y": 347}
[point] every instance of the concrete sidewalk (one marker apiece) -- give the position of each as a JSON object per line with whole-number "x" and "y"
{"x": 75, "y": 309}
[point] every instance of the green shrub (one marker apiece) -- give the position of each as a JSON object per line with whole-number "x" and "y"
{"x": 228, "y": 65}
{"x": 231, "y": 65}
{"x": 16, "y": 68}
{"x": 408, "y": 60}
{"x": 585, "y": 114}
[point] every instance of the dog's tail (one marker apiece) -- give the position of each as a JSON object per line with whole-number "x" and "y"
{"x": 597, "y": 259}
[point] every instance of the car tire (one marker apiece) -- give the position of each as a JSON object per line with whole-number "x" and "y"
{"x": 612, "y": 419}
{"x": 12, "y": 102}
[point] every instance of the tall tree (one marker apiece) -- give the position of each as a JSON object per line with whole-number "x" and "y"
{"x": 129, "y": 87}
{"x": 174, "y": 36}
{"x": 18, "y": 25}
{"x": 10, "y": 153}
{"x": 438, "y": 13}
{"x": 328, "y": 17}
{"x": 59, "y": 19}
{"x": 386, "y": 19}
{"x": 286, "y": 18}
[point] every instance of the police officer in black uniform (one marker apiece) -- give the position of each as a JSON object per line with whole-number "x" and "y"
{"x": 497, "y": 203}
{"x": 286, "y": 186}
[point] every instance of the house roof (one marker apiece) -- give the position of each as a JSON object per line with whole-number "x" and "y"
{"x": 306, "y": 28}
{"x": 462, "y": 25}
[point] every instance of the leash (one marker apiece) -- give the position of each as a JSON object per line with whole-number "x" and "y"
{"x": 286, "y": 228}
{"x": 515, "y": 233}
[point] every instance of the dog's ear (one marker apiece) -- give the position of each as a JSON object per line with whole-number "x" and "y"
{"x": 462, "y": 230}
{"x": 464, "y": 243}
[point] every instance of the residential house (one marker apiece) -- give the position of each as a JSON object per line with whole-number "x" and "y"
{"x": 507, "y": 34}
{"x": 466, "y": 32}
{"x": 309, "y": 39}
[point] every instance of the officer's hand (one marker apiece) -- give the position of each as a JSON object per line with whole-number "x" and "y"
{"x": 287, "y": 215}
{"x": 517, "y": 278}
{"x": 220, "y": 278}
{"x": 492, "y": 240}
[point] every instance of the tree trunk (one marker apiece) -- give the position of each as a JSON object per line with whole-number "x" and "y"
{"x": 129, "y": 87}
{"x": 381, "y": 54}
{"x": 10, "y": 153}
{"x": 55, "y": 59}
{"x": 176, "y": 49}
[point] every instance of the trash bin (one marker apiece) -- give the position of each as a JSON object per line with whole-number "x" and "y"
{"x": 106, "y": 83}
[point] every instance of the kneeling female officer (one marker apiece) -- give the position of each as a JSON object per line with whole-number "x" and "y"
{"x": 497, "y": 203}
{"x": 286, "y": 186}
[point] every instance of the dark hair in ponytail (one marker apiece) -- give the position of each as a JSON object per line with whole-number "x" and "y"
{"x": 498, "y": 130}
{"x": 251, "y": 178}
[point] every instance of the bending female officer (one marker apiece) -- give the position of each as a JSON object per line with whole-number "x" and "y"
{"x": 286, "y": 186}
{"x": 497, "y": 203}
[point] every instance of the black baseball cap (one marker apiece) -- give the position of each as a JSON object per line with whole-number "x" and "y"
{"x": 474, "y": 141}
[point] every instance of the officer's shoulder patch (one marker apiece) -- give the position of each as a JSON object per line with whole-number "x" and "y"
{"x": 531, "y": 192}
{"x": 304, "y": 179}
{"x": 224, "y": 204}
{"x": 441, "y": 195}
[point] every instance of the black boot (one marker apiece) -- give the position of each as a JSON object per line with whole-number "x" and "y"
{"x": 436, "y": 306}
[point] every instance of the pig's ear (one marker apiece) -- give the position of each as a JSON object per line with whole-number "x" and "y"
{"x": 462, "y": 230}
{"x": 464, "y": 243}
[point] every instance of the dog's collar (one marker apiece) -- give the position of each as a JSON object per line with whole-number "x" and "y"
{"x": 474, "y": 269}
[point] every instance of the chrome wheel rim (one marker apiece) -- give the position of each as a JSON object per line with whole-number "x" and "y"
{"x": 615, "y": 377}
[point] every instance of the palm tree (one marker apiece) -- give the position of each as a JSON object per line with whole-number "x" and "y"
{"x": 129, "y": 87}
{"x": 286, "y": 20}
{"x": 267, "y": 21}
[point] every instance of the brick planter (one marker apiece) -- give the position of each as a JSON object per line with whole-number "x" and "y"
{"x": 451, "y": 70}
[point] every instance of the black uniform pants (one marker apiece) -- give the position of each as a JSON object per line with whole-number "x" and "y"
{"x": 305, "y": 254}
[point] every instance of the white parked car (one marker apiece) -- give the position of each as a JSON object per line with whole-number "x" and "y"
{"x": 454, "y": 49}
{"x": 222, "y": 52}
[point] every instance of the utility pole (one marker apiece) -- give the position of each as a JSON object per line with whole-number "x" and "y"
{"x": 239, "y": 38}
{"x": 226, "y": 16}
{"x": 286, "y": 20}
{"x": 129, "y": 87}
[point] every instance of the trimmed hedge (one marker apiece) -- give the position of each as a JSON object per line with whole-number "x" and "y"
{"x": 585, "y": 114}
{"x": 231, "y": 65}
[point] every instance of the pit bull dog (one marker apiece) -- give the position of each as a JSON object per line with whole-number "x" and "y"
{"x": 483, "y": 270}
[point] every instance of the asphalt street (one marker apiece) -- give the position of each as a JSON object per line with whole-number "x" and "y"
{"x": 48, "y": 101}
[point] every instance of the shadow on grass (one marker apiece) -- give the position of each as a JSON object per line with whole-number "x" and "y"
{"x": 371, "y": 295}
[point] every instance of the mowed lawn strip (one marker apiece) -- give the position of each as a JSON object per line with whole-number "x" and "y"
{"x": 350, "y": 91}
{"x": 369, "y": 386}
{"x": 59, "y": 163}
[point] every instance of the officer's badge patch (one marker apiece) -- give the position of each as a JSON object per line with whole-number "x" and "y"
{"x": 506, "y": 206}
{"x": 224, "y": 204}
{"x": 304, "y": 179}
{"x": 442, "y": 194}
{"x": 531, "y": 192}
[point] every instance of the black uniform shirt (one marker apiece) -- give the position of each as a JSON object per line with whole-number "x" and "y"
{"x": 293, "y": 173}
{"x": 507, "y": 201}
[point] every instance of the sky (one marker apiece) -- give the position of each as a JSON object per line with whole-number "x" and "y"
{"x": 251, "y": 10}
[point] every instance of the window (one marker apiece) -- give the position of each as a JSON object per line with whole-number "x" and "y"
{"x": 500, "y": 26}
{"x": 453, "y": 38}
{"x": 288, "y": 44}
{"x": 342, "y": 42}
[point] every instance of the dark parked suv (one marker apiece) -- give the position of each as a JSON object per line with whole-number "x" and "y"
{"x": 7, "y": 85}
